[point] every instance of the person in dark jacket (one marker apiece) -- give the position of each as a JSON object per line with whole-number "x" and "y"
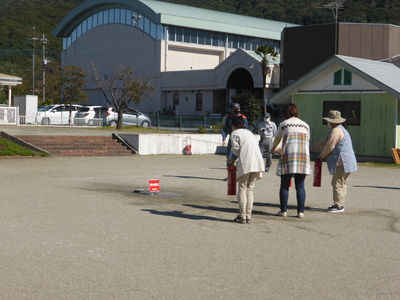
{"x": 227, "y": 129}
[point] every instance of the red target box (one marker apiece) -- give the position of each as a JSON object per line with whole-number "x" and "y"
{"x": 154, "y": 185}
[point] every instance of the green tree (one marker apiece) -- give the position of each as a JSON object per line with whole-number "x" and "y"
{"x": 250, "y": 107}
{"x": 266, "y": 53}
{"x": 53, "y": 83}
{"x": 122, "y": 87}
{"x": 73, "y": 82}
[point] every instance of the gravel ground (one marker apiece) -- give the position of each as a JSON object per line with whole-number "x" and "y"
{"x": 72, "y": 228}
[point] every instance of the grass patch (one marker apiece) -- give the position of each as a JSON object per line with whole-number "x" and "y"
{"x": 380, "y": 165}
{"x": 8, "y": 148}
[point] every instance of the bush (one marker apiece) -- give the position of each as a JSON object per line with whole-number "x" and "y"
{"x": 217, "y": 128}
{"x": 251, "y": 107}
{"x": 201, "y": 129}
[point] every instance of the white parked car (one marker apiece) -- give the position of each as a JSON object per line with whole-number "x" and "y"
{"x": 89, "y": 115}
{"x": 57, "y": 114}
{"x": 131, "y": 117}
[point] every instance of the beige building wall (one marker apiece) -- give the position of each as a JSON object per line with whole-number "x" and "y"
{"x": 325, "y": 82}
{"x": 181, "y": 58}
{"x": 369, "y": 41}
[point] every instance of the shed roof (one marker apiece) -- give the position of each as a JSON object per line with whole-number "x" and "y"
{"x": 383, "y": 75}
{"x": 9, "y": 80}
{"x": 178, "y": 15}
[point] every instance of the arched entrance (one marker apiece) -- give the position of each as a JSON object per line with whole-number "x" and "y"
{"x": 240, "y": 80}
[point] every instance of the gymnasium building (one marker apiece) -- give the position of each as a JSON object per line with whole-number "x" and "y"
{"x": 198, "y": 58}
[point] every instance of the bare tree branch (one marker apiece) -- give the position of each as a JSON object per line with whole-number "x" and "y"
{"x": 122, "y": 87}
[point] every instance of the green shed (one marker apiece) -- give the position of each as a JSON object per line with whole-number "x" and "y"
{"x": 366, "y": 92}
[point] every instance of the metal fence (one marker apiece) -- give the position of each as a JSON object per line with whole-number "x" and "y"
{"x": 9, "y": 116}
{"x": 185, "y": 121}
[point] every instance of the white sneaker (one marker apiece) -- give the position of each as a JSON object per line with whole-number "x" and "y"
{"x": 282, "y": 214}
{"x": 300, "y": 215}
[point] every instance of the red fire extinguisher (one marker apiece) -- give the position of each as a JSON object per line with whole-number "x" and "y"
{"x": 187, "y": 150}
{"x": 317, "y": 172}
{"x": 231, "y": 180}
{"x": 187, "y": 147}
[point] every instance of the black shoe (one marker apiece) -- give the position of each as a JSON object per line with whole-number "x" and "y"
{"x": 335, "y": 209}
{"x": 239, "y": 220}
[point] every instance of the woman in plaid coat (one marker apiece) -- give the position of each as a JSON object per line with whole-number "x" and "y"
{"x": 295, "y": 158}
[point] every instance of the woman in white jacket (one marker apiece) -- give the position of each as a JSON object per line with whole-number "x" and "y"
{"x": 250, "y": 166}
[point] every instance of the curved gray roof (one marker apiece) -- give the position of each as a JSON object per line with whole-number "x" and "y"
{"x": 177, "y": 15}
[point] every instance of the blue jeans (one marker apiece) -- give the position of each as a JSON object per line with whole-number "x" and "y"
{"x": 300, "y": 191}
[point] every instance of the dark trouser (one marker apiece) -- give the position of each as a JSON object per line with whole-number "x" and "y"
{"x": 300, "y": 191}
{"x": 265, "y": 148}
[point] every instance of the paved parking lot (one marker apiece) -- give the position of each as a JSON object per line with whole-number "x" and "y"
{"x": 72, "y": 228}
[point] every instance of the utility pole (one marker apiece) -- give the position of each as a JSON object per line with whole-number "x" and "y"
{"x": 45, "y": 61}
{"x": 34, "y": 39}
{"x": 335, "y": 6}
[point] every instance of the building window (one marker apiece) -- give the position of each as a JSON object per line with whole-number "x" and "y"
{"x": 337, "y": 77}
{"x": 100, "y": 15}
{"x": 178, "y": 34}
{"x": 171, "y": 33}
{"x": 175, "y": 101}
{"x": 217, "y": 39}
{"x": 186, "y": 35}
{"x": 146, "y": 25}
{"x": 350, "y": 110}
{"x": 347, "y": 76}
{"x": 120, "y": 16}
{"x": 123, "y": 16}
{"x": 201, "y": 37}
{"x": 111, "y": 15}
{"x": 342, "y": 77}
{"x": 199, "y": 102}
{"x": 193, "y": 36}
{"x": 208, "y": 38}
{"x": 117, "y": 16}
